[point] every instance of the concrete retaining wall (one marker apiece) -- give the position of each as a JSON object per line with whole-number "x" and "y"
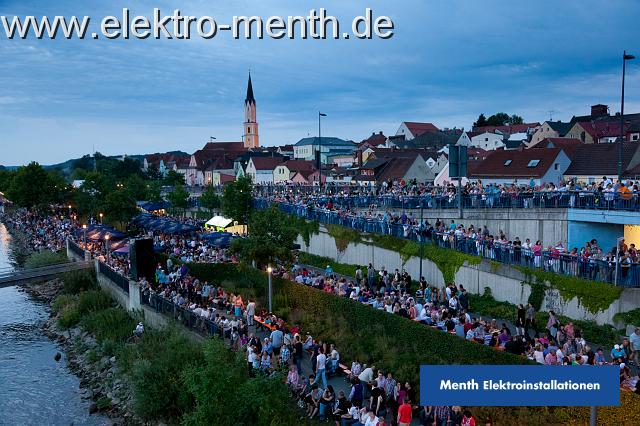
{"x": 506, "y": 284}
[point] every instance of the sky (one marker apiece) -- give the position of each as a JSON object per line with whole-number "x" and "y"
{"x": 448, "y": 61}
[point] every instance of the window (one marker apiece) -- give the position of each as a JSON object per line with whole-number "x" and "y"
{"x": 556, "y": 166}
{"x": 248, "y": 129}
{"x": 486, "y": 139}
{"x": 533, "y": 163}
{"x": 507, "y": 163}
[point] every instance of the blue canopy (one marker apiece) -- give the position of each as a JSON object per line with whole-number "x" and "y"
{"x": 162, "y": 224}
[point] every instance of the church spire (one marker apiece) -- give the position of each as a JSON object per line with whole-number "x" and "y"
{"x": 250, "y": 98}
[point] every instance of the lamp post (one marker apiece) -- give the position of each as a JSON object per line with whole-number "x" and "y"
{"x": 69, "y": 211}
{"x": 106, "y": 244}
{"x": 101, "y": 216}
{"x": 269, "y": 271}
{"x": 320, "y": 115}
{"x": 84, "y": 237}
{"x": 212, "y": 138}
{"x": 421, "y": 230}
{"x": 625, "y": 57}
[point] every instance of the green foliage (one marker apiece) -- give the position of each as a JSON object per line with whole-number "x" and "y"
{"x": 77, "y": 281}
{"x": 629, "y": 318}
{"x": 263, "y": 401}
{"x": 92, "y": 301}
{"x": 272, "y": 237}
{"x": 121, "y": 207}
{"x": 63, "y": 301}
{"x": 178, "y": 198}
{"x": 237, "y": 199}
{"x": 448, "y": 261}
{"x": 69, "y": 316}
{"x": 45, "y": 258}
{"x": 373, "y": 336}
{"x": 322, "y": 262}
{"x": 210, "y": 199}
{"x": 112, "y": 323}
{"x": 173, "y": 178}
{"x": 486, "y": 305}
{"x": 343, "y": 236}
{"x": 305, "y": 228}
{"x": 594, "y": 296}
{"x": 157, "y": 376}
{"x": 536, "y": 297}
{"x": 32, "y": 186}
{"x": 104, "y": 403}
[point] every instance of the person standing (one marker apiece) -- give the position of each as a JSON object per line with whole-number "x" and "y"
{"x": 405, "y": 414}
{"x": 251, "y": 311}
{"x": 520, "y": 320}
{"x": 530, "y": 321}
{"x": 321, "y": 365}
{"x": 634, "y": 339}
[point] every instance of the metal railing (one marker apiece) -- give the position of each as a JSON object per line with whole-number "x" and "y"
{"x": 120, "y": 280}
{"x": 524, "y": 200}
{"x": 627, "y": 275}
{"x": 76, "y": 249}
{"x": 186, "y": 317}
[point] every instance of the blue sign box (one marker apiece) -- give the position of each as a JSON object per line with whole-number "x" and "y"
{"x": 519, "y": 385}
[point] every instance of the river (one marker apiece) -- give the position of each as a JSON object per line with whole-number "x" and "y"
{"x": 34, "y": 388}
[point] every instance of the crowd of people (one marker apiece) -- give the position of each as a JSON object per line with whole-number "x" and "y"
{"x": 373, "y": 397}
{"x": 590, "y": 261}
{"x": 571, "y": 193}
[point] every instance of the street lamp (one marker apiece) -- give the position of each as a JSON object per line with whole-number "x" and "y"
{"x": 211, "y": 138}
{"x": 625, "y": 57}
{"x": 320, "y": 115}
{"x": 101, "y": 216}
{"x": 106, "y": 239}
{"x": 84, "y": 231}
{"x": 269, "y": 271}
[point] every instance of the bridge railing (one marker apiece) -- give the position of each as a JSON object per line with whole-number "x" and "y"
{"x": 120, "y": 280}
{"x": 496, "y": 200}
{"x": 595, "y": 269}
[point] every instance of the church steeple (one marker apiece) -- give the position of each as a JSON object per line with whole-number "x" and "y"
{"x": 250, "y": 98}
{"x": 250, "y": 131}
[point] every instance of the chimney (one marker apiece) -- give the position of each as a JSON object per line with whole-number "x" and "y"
{"x": 599, "y": 110}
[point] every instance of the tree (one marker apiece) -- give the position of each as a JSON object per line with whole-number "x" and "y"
{"x": 32, "y": 186}
{"x": 210, "y": 199}
{"x": 136, "y": 187}
{"x": 498, "y": 119}
{"x": 153, "y": 173}
{"x": 515, "y": 119}
{"x": 173, "y": 178}
{"x": 179, "y": 197}
{"x": 6, "y": 176}
{"x": 272, "y": 237}
{"x": 237, "y": 200}
{"x": 119, "y": 207}
{"x": 481, "y": 121}
{"x": 154, "y": 191}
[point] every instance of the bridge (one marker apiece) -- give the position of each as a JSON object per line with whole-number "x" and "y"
{"x": 10, "y": 277}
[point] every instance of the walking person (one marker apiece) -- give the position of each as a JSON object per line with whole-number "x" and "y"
{"x": 530, "y": 321}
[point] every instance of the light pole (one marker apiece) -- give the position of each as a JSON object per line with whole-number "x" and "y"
{"x": 625, "y": 58}
{"x": 320, "y": 115}
{"x": 106, "y": 244}
{"x": 101, "y": 216}
{"x": 422, "y": 233}
{"x": 212, "y": 138}
{"x": 69, "y": 211}
{"x": 269, "y": 271}
{"x": 84, "y": 238}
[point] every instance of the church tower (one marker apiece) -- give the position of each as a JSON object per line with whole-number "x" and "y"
{"x": 250, "y": 124}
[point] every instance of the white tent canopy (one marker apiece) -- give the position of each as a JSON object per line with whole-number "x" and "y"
{"x": 219, "y": 222}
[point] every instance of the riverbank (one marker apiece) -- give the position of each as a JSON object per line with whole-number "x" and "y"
{"x": 99, "y": 379}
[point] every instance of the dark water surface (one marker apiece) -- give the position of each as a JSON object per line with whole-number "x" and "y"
{"x": 34, "y": 388}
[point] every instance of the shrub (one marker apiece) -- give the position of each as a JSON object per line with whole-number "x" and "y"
{"x": 157, "y": 377}
{"x": 262, "y": 401}
{"x": 78, "y": 281}
{"x": 92, "y": 301}
{"x": 69, "y": 317}
{"x": 61, "y": 302}
{"x": 629, "y": 318}
{"x": 112, "y": 323}
{"x": 45, "y": 258}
